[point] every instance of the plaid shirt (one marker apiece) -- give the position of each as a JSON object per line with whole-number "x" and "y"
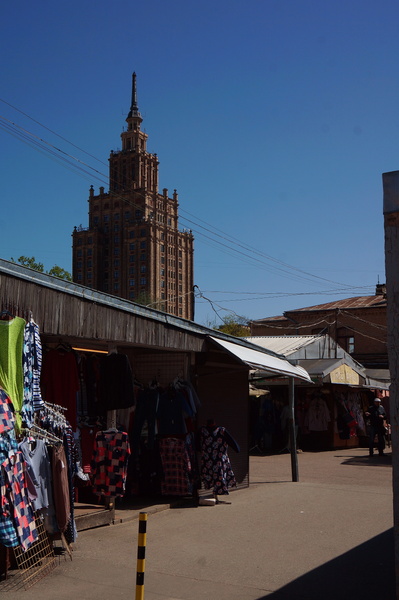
{"x": 16, "y": 509}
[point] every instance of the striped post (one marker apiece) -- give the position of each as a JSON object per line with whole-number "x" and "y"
{"x": 142, "y": 540}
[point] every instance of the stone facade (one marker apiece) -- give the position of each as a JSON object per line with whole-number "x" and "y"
{"x": 133, "y": 247}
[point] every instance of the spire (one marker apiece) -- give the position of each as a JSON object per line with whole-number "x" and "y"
{"x": 134, "y": 109}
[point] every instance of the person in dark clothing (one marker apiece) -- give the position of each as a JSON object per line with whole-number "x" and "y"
{"x": 377, "y": 416}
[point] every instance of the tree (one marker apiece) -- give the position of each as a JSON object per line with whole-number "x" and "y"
{"x": 30, "y": 262}
{"x": 234, "y": 325}
{"x": 60, "y": 272}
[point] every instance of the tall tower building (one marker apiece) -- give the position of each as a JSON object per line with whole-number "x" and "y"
{"x": 133, "y": 247}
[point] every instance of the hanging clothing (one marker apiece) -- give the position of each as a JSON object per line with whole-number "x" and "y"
{"x": 176, "y": 467}
{"x": 109, "y": 463}
{"x": 62, "y": 504}
{"x": 60, "y": 381}
{"x": 117, "y": 390}
{"x": 39, "y": 468}
{"x": 216, "y": 471}
{"x": 15, "y": 503}
{"x": 146, "y": 411}
{"x": 32, "y": 361}
{"x": 7, "y": 416}
{"x": 11, "y": 352}
{"x": 172, "y": 409}
{"x": 318, "y": 416}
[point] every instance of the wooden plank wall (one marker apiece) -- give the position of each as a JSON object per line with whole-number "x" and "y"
{"x": 62, "y": 314}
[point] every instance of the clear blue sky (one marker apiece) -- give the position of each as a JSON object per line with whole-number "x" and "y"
{"x": 273, "y": 119}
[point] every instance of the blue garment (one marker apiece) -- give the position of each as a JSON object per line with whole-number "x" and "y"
{"x": 32, "y": 362}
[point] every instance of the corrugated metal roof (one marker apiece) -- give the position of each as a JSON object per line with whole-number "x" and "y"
{"x": 346, "y": 304}
{"x": 285, "y": 345}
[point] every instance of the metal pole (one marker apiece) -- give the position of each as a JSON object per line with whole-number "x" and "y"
{"x": 391, "y": 231}
{"x": 141, "y": 545}
{"x": 291, "y": 425}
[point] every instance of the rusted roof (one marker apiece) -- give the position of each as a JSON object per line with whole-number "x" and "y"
{"x": 345, "y": 304}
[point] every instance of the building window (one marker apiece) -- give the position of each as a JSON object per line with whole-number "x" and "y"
{"x": 116, "y": 251}
{"x": 116, "y": 287}
{"x": 143, "y": 269}
{"x": 116, "y": 274}
{"x": 131, "y": 282}
{"x": 162, "y": 248}
{"x": 143, "y": 232}
{"x": 143, "y": 257}
{"x": 132, "y": 234}
{"x": 346, "y": 340}
{"x": 116, "y": 262}
{"x": 143, "y": 281}
{"x": 79, "y": 277}
{"x": 106, "y": 275}
{"x": 132, "y": 247}
{"x": 132, "y": 258}
{"x": 106, "y": 218}
{"x": 89, "y": 264}
{"x": 162, "y": 272}
{"x": 143, "y": 244}
{"x": 116, "y": 215}
{"x": 116, "y": 239}
{"x": 131, "y": 295}
{"x": 162, "y": 284}
{"x": 88, "y": 275}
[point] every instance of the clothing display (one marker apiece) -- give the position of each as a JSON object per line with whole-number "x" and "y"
{"x": 318, "y": 415}
{"x": 176, "y": 467}
{"x": 117, "y": 390}
{"x": 16, "y": 508}
{"x": 109, "y": 463}
{"x": 216, "y": 471}
{"x": 60, "y": 380}
{"x": 11, "y": 352}
{"x": 32, "y": 362}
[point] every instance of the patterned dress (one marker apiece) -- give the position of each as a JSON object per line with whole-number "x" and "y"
{"x": 216, "y": 471}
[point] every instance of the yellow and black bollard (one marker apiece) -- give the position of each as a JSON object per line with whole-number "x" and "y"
{"x": 142, "y": 540}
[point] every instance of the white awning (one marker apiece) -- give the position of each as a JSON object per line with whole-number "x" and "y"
{"x": 258, "y": 360}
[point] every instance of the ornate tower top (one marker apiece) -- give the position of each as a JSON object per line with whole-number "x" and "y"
{"x": 134, "y": 108}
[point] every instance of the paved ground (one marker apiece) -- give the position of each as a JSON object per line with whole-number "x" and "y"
{"x": 328, "y": 536}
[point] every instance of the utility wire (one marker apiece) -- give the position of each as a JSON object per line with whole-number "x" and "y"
{"x": 86, "y": 169}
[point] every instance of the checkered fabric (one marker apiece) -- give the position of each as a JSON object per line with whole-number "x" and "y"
{"x": 15, "y": 500}
{"x": 176, "y": 466}
{"x": 109, "y": 463}
{"x": 7, "y": 418}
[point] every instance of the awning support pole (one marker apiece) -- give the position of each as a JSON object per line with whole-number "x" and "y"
{"x": 292, "y": 431}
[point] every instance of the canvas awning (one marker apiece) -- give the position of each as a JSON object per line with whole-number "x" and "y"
{"x": 258, "y": 360}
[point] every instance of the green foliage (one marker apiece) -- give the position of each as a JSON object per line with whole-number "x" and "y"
{"x": 30, "y": 262}
{"x": 234, "y": 325}
{"x": 60, "y": 272}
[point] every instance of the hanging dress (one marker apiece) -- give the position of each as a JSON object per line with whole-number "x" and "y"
{"x": 216, "y": 471}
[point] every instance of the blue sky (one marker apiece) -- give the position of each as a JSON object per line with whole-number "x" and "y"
{"x": 273, "y": 119}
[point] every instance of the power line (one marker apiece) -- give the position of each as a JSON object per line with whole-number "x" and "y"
{"x": 84, "y": 169}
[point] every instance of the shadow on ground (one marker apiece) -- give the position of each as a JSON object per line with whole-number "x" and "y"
{"x": 367, "y": 461}
{"x": 367, "y": 572}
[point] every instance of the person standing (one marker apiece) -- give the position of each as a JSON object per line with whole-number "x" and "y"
{"x": 377, "y": 417}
